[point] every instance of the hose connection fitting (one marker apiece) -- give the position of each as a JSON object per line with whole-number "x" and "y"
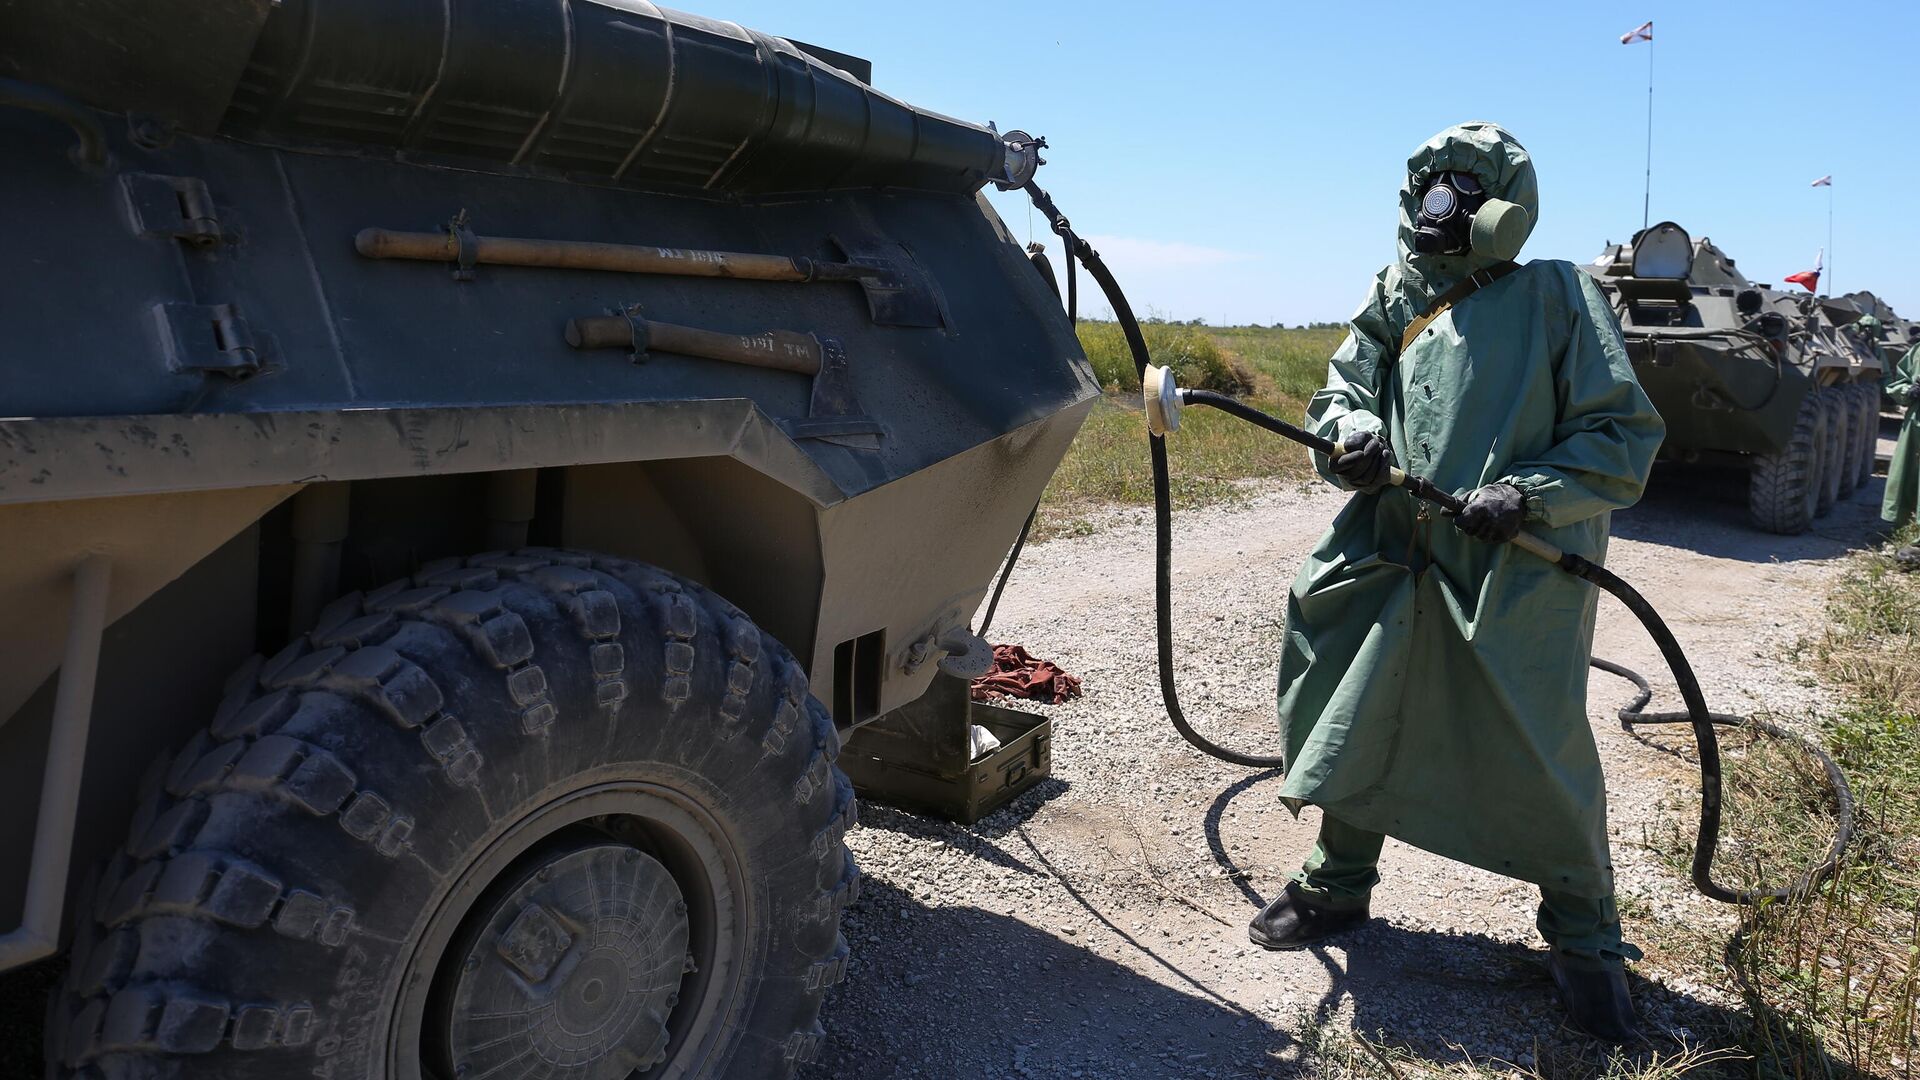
{"x": 1163, "y": 400}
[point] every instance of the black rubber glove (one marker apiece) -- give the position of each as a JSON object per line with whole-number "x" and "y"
{"x": 1913, "y": 393}
{"x": 1363, "y": 461}
{"x": 1493, "y": 513}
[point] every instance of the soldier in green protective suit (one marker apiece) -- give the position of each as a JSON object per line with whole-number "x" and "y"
{"x": 1903, "y": 475}
{"x": 1871, "y": 334}
{"x": 1434, "y": 681}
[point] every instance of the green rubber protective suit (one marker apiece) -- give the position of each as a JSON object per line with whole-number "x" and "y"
{"x": 1434, "y": 687}
{"x": 1903, "y": 475}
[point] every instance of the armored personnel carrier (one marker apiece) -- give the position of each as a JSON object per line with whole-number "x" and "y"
{"x": 1892, "y": 336}
{"x": 465, "y": 468}
{"x": 1896, "y": 335}
{"x": 1746, "y": 374}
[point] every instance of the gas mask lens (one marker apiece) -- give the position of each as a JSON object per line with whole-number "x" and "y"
{"x": 1446, "y": 214}
{"x": 1439, "y": 204}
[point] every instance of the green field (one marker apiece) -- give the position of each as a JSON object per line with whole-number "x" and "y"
{"x": 1275, "y": 369}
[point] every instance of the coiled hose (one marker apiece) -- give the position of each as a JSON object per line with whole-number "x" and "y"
{"x": 1702, "y": 720}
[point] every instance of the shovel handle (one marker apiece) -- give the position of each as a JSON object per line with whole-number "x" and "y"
{"x": 581, "y": 255}
{"x": 780, "y": 350}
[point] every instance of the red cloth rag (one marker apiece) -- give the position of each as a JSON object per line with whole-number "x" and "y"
{"x": 1018, "y": 673}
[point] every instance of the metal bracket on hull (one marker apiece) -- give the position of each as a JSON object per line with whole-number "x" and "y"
{"x": 207, "y": 338}
{"x": 38, "y": 934}
{"x": 179, "y": 207}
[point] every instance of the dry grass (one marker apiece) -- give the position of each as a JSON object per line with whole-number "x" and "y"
{"x": 1349, "y": 1055}
{"x": 1873, "y": 644}
{"x": 1197, "y": 357}
{"x": 1832, "y": 982}
{"x": 1276, "y": 370}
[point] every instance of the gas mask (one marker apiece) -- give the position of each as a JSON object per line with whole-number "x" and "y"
{"x": 1456, "y": 217}
{"x": 1446, "y": 214}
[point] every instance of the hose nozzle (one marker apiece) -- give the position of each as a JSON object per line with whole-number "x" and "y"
{"x": 1162, "y": 398}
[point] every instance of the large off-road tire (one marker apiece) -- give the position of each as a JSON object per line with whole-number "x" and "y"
{"x": 1868, "y": 395}
{"x": 1839, "y": 454}
{"x": 1847, "y": 447}
{"x": 1783, "y": 491}
{"x": 536, "y": 814}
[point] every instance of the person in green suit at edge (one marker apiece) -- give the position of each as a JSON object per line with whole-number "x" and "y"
{"x": 1903, "y": 473}
{"x": 1869, "y": 332}
{"x": 1433, "y": 684}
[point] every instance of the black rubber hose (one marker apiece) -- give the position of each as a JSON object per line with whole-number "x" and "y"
{"x": 1162, "y": 519}
{"x": 90, "y": 149}
{"x": 1633, "y": 714}
{"x": 993, "y": 605}
{"x": 1040, "y": 263}
{"x": 1707, "y": 837}
{"x": 1702, "y": 720}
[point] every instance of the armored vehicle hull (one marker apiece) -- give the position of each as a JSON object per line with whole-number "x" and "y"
{"x": 584, "y": 414}
{"x": 1746, "y": 374}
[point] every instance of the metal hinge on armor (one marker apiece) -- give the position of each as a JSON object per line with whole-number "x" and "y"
{"x": 173, "y": 206}
{"x": 208, "y": 338}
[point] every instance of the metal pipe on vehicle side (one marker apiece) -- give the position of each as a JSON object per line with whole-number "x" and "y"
{"x": 590, "y": 255}
{"x": 91, "y": 149}
{"x": 1693, "y": 333}
{"x": 38, "y": 934}
{"x": 781, "y": 350}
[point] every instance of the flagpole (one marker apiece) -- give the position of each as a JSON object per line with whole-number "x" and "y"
{"x": 1829, "y": 235}
{"x": 1646, "y": 195}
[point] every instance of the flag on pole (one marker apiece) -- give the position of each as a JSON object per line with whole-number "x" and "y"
{"x": 1810, "y": 279}
{"x": 1825, "y": 181}
{"x": 1643, "y": 32}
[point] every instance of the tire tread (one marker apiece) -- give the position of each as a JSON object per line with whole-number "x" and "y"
{"x": 171, "y": 867}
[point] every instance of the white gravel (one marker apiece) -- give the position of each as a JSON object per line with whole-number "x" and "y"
{"x": 1096, "y": 928}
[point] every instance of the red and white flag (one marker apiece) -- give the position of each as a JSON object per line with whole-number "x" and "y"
{"x": 1825, "y": 181}
{"x": 1810, "y": 279}
{"x": 1643, "y": 32}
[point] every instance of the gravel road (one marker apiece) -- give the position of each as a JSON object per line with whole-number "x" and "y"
{"x": 1096, "y": 927}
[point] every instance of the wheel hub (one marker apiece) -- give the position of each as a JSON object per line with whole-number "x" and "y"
{"x": 574, "y": 971}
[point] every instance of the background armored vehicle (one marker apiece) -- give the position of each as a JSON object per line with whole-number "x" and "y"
{"x": 1745, "y": 373}
{"x": 1897, "y": 334}
{"x": 1894, "y": 335}
{"x": 584, "y": 415}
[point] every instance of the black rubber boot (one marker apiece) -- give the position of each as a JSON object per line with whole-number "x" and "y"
{"x": 1293, "y": 921}
{"x": 1596, "y": 996}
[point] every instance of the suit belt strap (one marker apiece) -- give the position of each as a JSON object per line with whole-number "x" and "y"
{"x": 1467, "y": 286}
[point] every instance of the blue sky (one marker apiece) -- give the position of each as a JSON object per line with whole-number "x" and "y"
{"x": 1238, "y": 161}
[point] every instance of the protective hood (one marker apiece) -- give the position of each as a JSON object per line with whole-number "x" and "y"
{"x": 1498, "y": 161}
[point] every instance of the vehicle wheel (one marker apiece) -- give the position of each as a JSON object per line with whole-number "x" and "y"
{"x": 544, "y": 813}
{"x": 1783, "y": 492}
{"x": 1837, "y": 457}
{"x": 1869, "y": 411}
{"x": 1846, "y": 457}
